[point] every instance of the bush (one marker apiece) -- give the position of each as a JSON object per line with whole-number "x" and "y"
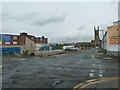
{"x": 10, "y": 54}
{"x": 25, "y": 53}
{"x": 32, "y": 54}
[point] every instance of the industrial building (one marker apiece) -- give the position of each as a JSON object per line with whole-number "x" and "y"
{"x": 111, "y": 39}
{"x": 22, "y": 41}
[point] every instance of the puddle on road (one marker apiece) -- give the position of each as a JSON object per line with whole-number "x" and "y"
{"x": 7, "y": 66}
{"x": 36, "y": 57}
{"x": 56, "y": 82}
{"x": 34, "y": 80}
{"x": 107, "y": 58}
{"x": 0, "y": 66}
{"x": 28, "y": 82}
{"x": 60, "y": 68}
{"x": 100, "y": 53}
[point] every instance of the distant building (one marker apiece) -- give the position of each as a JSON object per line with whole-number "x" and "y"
{"x": 111, "y": 39}
{"x": 96, "y": 40}
{"x": 84, "y": 45}
{"x": 24, "y": 41}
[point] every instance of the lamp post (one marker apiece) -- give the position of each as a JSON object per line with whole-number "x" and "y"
{"x": 102, "y": 37}
{"x": 102, "y": 33}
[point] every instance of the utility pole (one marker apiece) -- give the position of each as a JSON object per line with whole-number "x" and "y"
{"x": 102, "y": 33}
{"x": 102, "y": 37}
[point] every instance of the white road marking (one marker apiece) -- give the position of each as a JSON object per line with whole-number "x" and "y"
{"x": 23, "y": 59}
{"x": 59, "y": 68}
{"x": 0, "y": 66}
{"x": 91, "y": 74}
{"x": 100, "y": 75}
{"x": 36, "y": 57}
{"x": 56, "y": 82}
{"x": 100, "y": 72}
{"x": 100, "y": 67}
{"x": 14, "y": 58}
{"x": 93, "y": 64}
{"x": 92, "y": 71}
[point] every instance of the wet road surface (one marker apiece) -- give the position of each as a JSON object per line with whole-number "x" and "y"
{"x": 56, "y": 72}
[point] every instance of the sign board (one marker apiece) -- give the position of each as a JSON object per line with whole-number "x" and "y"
{"x": 114, "y": 35}
{"x": 102, "y": 41}
{"x": 5, "y": 38}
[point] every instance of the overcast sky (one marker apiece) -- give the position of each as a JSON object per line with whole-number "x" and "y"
{"x": 58, "y": 21}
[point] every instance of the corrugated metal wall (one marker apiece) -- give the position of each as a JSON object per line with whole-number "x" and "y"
{"x": 47, "y": 48}
{"x": 10, "y": 50}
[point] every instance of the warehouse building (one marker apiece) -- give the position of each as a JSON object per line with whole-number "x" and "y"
{"x": 22, "y": 41}
{"x": 111, "y": 39}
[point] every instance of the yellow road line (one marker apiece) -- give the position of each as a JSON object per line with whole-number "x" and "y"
{"x": 93, "y": 81}
{"x": 84, "y": 83}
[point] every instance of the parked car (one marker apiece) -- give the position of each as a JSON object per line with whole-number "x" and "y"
{"x": 96, "y": 47}
{"x": 76, "y": 49}
{"x": 71, "y": 49}
{"x": 64, "y": 47}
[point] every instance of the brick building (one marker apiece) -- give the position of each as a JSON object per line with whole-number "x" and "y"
{"x": 20, "y": 39}
{"x": 24, "y": 41}
{"x": 111, "y": 39}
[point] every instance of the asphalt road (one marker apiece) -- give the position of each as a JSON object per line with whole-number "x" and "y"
{"x": 64, "y": 71}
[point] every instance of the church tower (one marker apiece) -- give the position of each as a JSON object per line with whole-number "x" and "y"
{"x": 96, "y": 38}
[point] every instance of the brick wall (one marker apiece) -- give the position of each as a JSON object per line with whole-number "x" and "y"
{"x": 20, "y": 39}
{"x": 29, "y": 45}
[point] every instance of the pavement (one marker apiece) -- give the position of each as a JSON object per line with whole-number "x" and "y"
{"x": 103, "y": 56}
{"x": 64, "y": 71}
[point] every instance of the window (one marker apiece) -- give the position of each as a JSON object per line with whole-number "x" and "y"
{"x": 32, "y": 38}
{"x": 14, "y": 42}
{"x": 40, "y": 39}
{"x": 36, "y": 38}
{"x": 14, "y": 37}
{"x": 7, "y": 42}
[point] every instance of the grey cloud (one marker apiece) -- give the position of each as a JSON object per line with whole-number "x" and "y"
{"x": 6, "y": 16}
{"x": 81, "y": 28}
{"x": 114, "y": 1}
{"x": 18, "y": 18}
{"x": 119, "y": 10}
{"x": 103, "y": 26}
{"x": 9, "y": 17}
{"x": 35, "y": 18}
{"x": 49, "y": 19}
{"x": 26, "y": 17}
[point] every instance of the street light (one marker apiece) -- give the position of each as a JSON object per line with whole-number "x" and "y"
{"x": 102, "y": 37}
{"x": 102, "y": 33}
